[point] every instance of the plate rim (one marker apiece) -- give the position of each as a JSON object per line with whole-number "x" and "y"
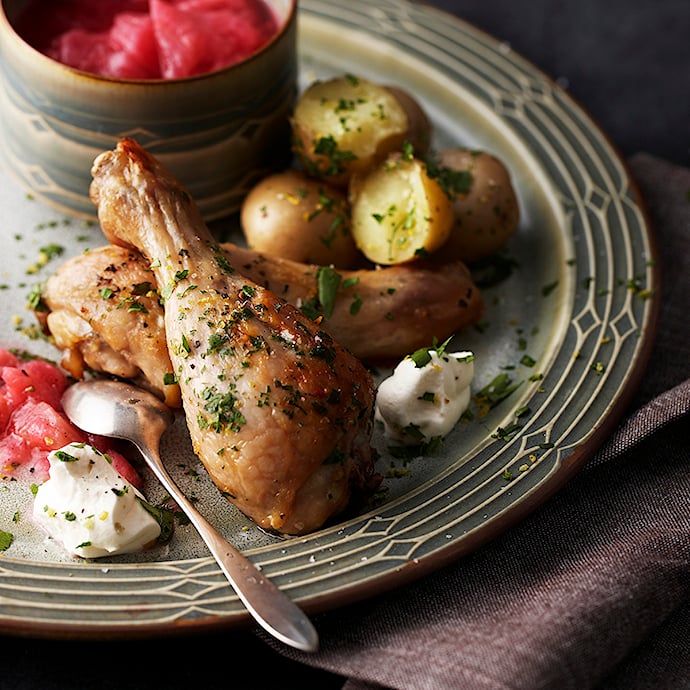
{"x": 396, "y": 576}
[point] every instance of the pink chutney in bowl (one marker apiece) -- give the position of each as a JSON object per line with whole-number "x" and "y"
{"x": 148, "y": 39}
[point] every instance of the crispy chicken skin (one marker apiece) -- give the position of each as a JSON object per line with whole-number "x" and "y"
{"x": 104, "y": 313}
{"x": 278, "y": 412}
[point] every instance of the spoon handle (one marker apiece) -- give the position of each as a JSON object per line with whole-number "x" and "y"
{"x": 269, "y": 606}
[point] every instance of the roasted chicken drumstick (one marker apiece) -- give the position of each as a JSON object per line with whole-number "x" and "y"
{"x": 278, "y": 412}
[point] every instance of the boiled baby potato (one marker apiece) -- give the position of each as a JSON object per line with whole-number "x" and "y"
{"x": 344, "y": 125}
{"x": 484, "y": 203}
{"x": 399, "y": 213}
{"x": 291, "y": 215}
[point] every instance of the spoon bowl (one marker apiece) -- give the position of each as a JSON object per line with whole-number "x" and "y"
{"x": 118, "y": 410}
{"x": 121, "y": 410}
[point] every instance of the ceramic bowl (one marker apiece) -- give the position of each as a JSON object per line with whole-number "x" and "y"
{"x": 218, "y": 133}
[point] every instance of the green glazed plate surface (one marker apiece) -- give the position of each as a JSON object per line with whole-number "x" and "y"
{"x": 577, "y": 304}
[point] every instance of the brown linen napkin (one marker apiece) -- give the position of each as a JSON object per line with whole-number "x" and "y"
{"x": 593, "y": 589}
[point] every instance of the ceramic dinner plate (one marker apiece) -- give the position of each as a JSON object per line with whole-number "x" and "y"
{"x": 571, "y": 328}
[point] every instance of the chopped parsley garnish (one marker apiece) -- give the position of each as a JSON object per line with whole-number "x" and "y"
{"x": 328, "y": 282}
{"x": 222, "y": 262}
{"x": 422, "y": 357}
{"x": 35, "y": 299}
{"x": 142, "y": 288}
{"x": 132, "y": 305}
{"x": 163, "y": 516}
{"x": 6, "y": 539}
{"x": 222, "y": 411}
{"x": 495, "y": 392}
{"x": 337, "y": 159}
{"x": 453, "y": 182}
{"x": 62, "y": 456}
{"x": 548, "y": 289}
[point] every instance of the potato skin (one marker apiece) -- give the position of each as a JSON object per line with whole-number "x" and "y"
{"x": 399, "y": 213}
{"x": 345, "y": 125}
{"x": 291, "y": 215}
{"x": 488, "y": 214}
{"x": 419, "y": 129}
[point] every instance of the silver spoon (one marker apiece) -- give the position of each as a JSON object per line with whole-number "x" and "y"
{"x": 120, "y": 410}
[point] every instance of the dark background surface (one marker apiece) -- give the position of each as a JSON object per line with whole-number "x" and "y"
{"x": 628, "y": 65}
{"x": 626, "y": 62}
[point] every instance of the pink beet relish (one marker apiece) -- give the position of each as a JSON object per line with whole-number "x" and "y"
{"x": 33, "y": 423}
{"x": 148, "y": 39}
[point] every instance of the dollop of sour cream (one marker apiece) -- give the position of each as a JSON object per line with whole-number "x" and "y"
{"x": 425, "y": 396}
{"x": 89, "y": 508}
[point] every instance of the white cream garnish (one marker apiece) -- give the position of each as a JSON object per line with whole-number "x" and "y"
{"x": 417, "y": 403}
{"x": 89, "y": 508}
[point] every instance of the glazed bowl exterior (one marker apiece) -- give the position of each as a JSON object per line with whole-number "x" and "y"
{"x": 219, "y": 133}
